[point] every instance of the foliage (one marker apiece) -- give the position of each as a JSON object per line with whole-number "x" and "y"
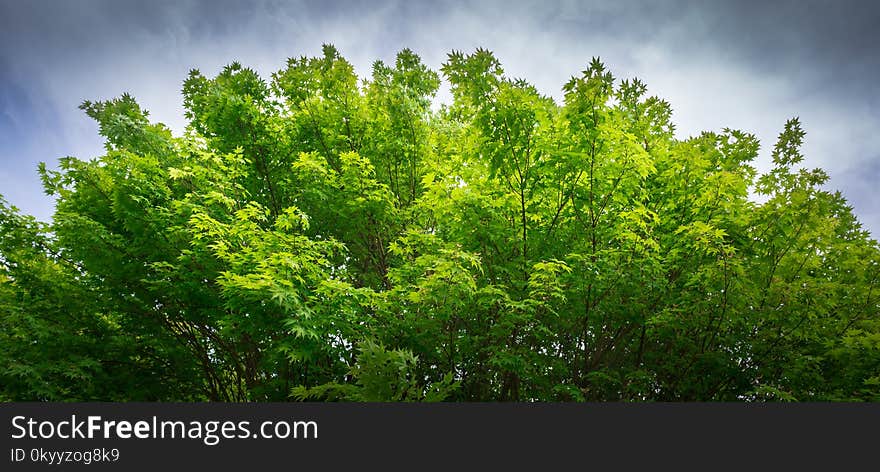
{"x": 319, "y": 237}
{"x": 380, "y": 375}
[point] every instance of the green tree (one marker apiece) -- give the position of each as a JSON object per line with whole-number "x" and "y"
{"x": 321, "y": 237}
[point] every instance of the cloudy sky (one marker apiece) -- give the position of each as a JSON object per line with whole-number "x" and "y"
{"x": 746, "y": 65}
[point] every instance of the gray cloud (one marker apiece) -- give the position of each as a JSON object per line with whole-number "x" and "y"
{"x": 748, "y": 65}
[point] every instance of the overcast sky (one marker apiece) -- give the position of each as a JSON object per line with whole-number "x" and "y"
{"x": 745, "y": 65}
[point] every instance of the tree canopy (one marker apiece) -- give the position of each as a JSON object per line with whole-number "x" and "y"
{"x": 317, "y": 236}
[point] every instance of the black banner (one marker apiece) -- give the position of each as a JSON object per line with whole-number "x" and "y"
{"x": 302, "y": 436}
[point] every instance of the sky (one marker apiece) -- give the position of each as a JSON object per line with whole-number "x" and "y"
{"x": 747, "y": 65}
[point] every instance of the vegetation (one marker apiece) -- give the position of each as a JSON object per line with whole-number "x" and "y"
{"x": 315, "y": 236}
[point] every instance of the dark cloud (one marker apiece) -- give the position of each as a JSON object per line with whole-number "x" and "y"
{"x": 827, "y": 47}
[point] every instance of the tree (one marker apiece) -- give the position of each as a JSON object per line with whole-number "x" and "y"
{"x": 319, "y": 237}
